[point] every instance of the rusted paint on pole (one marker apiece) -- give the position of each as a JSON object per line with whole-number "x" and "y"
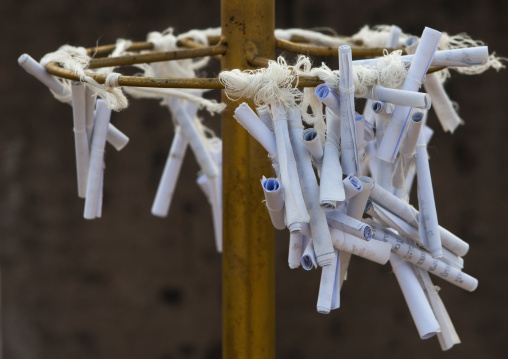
{"x": 248, "y": 250}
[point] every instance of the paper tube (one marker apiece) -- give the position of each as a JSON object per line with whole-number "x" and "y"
{"x": 327, "y": 95}
{"x": 311, "y": 141}
{"x": 36, "y": 70}
{"x": 116, "y": 138}
{"x": 204, "y": 184}
{"x": 326, "y": 286}
{"x": 429, "y": 227}
{"x": 274, "y": 202}
{"x": 90, "y": 112}
{"x": 352, "y": 186}
{"x": 185, "y": 121}
{"x": 464, "y": 57}
{"x": 419, "y": 307}
{"x": 421, "y": 62}
{"x": 407, "y": 150}
{"x": 349, "y": 152}
{"x": 167, "y": 184}
{"x": 308, "y": 259}
{"x": 442, "y": 104}
{"x": 360, "y": 139}
{"x": 331, "y": 188}
{"x": 399, "y": 97}
{"x": 265, "y": 116}
{"x": 409, "y": 214}
{"x": 349, "y": 225}
{"x": 295, "y": 250}
{"x": 336, "y": 285}
{"x": 323, "y": 247}
{"x": 102, "y": 116}
{"x": 296, "y": 211}
{"x": 355, "y": 208}
{"x": 448, "y": 337}
{"x": 253, "y": 124}
{"x": 370, "y": 250}
{"x": 80, "y": 138}
{"x": 424, "y": 260}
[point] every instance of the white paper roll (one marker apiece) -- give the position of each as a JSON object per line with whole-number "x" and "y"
{"x": 442, "y": 104}
{"x": 265, "y": 116}
{"x": 295, "y": 250}
{"x": 80, "y": 137}
{"x": 419, "y": 307}
{"x": 326, "y": 287}
{"x": 296, "y": 211}
{"x": 167, "y": 183}
{"x": 102, "y": 116}
{"x": 429, "y": 226}
{"x": 394, "y": 132}
{"x": 308, "y": 259}
{"x": 274, "y": 202}
{"x": 253, "y": 124}
{"x": 349, "y": 151}
{"x": 323, "y": 247}
{"x": 331, "y": 188}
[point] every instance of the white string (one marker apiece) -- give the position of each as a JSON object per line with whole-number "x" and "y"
{"x": 76, "y": 59}
{"x": 112, "y": 79}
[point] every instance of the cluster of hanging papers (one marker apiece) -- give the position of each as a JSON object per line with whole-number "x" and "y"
{"x": 341, "y": 175}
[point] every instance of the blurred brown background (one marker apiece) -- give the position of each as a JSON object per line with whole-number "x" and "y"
{"x": 134, "y": 286}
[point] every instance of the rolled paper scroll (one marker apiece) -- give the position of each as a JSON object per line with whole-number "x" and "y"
{"x": 265, "y": 116}
{"x": 295, "y": 250}
{"x": 428, "y": 223}
{"x": 360, "y": 140}
{"x": 313, "y": 144}
{"x": 410, "y": 215}
{"x": 448, "y": 337}
{"x": 355, "y": 208}
{"x": 442, "y": 104}
{"x": 323, "y": 247}
{"x": 116, "y": 138}
{"x": 102, "y": 116}
{"x": 452, "y": 259}
{"x": 349, "y": 152}
{"x": 419, "y": 307}
{"x": 394, "y": 132}
{"x": 424, "y": 260}
{"x": 352, "y": 186}
{"x": 167, "y": 184}
{"x": 90, "y": 112}
{"x": 336, "y": 284}
{"x": 399, "y": 97}
{"x": 80, "y": 138}
{"x": 464, "y": 57}
{"x": 349, "y": 225}
{"x": 197, "y": 144}
{"x": 327, "y": 95}
{"x": 370, "y": 250}
{"x": 296, "y": 211}
{"x": 36, "y": 70}
{"x": 384, "y": 169}
{"x": 331, "y": 188}
{"x": 308, "y": 259}
{"x": 98, "y": 211}
{"x": 407, "y": 150}
{"x": 274, "y": 202}
{"x": 327, "y": 286}
{"x": 257, "y": 128}
{"x": 215, "y": 148}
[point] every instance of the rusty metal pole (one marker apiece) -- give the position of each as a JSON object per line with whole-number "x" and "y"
{"x": 248, "y": 273}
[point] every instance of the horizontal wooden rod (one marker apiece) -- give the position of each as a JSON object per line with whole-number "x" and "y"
{"x": 167, "y": 82}
{"x": 157, "y": 56}
{"x": 314, "y": 50}
{"x": 101, "y": 51}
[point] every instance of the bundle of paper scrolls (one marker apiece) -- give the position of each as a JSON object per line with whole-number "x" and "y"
{"x": 342, "y": 186}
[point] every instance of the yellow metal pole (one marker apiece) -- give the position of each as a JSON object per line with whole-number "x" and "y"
{"x": 248, "y": 249}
